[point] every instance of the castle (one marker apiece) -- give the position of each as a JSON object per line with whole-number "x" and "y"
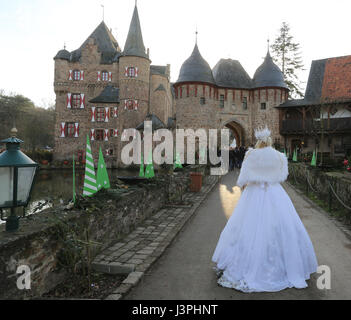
{"x": 102, "y": 90}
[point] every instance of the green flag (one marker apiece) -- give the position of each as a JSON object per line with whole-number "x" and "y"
{"x": 102, "y": 176}
{"x": 295, "y": 155}
{"x": 314, "y": 159}
{"x": 177, "y": 162}
{"x": 149, "y": 171}
{"x": 74, "y": 182}
{"x": 141, "y": 171}
{"x": 89, "y": 179}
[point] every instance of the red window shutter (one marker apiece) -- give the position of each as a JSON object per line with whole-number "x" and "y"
{"x": 106, "y": 134}
{"x": 136, "y": 72}
{"x": 115, "y": 112}
{"x": 125, "y": 104}
{"x": 93, "y": 114}
{"x": 233, "y": 95}
{"x": 181, "y": 92}
{"x": 82, "y": 100}
{"x": 107, "y": 114}
{"x": 210, "y": 92}
{"x": 115, "y": 132}
{"x": 82, "y": 75}
{"x": 110, "y": 76}
{"x": 62, "y": 130}
{"x": 92, "y": 134}
{"x": 99, "y": 76}
{"x": 136, "y": 104}
{"x": 69, "y": 100}
{"x": 76, "y": 130}
{"x": 126, "y": 71}
{"x": 70, "y": 75}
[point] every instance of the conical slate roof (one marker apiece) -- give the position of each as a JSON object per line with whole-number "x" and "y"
{"x": 63, "y": 54}
{"x": 230, "y": 74}
{"x": 106, "y": 43}
{"x": 195, "y": 69}
{"x": 268, "y": 74}
{"x": 134, "y": 44}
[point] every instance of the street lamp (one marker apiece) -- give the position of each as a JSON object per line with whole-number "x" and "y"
{"x": 17, "y": 172}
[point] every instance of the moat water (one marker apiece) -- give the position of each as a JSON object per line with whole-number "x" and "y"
{"x": 53, "y": 187}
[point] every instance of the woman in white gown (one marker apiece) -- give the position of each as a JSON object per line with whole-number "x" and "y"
{"x": 264, "y": 245}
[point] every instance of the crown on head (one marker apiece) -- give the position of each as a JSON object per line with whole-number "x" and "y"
{"x": 262, "y": 134}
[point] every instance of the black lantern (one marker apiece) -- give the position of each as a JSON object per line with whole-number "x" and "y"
{"x": 17, "y": 172}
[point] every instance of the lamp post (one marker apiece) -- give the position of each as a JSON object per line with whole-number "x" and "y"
{"x": 17, "y": 172}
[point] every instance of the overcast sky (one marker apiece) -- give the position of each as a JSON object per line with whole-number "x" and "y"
{"x": 33, "y": 31}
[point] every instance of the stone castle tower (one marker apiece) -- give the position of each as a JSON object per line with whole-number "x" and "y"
{"x": 102, "y": 90}
{"x": 227, "y": 97}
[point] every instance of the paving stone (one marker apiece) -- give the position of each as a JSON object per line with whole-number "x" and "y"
{"x": 133, "y": 278}
{"x": 135, "y": 261}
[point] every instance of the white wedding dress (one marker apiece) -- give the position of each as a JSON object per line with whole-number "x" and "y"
{"x": 264, "y": 245}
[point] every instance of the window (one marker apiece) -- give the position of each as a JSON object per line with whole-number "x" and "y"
{"x": 130, "y": 104}
{"x": 109, "y": 152}
{"x": 245, "y": 103}
{"x": 76, "y": 100}
{"x": 99, "y": 134}
{"x": 131, "y": 72}
{"x": 76, "y": 75}
{"x": 100, "y": 114}
{"x": 221, "y": 101}
{"x": 263, "y": 106}
{"x": 70, "y": 131}
{"x": 233, "y": 106}
{"x": 202, "y": 101}
{"x": 112, "y": 132}
{"x": 104, "y": 76}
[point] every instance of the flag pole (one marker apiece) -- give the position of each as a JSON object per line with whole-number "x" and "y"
{"x": 74, "y": 182}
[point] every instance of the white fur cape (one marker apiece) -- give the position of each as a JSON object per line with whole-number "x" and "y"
{"x": 263, "y": 165}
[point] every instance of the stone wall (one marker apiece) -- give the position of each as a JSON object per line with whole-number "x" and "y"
{"x": 318, "y": 179}
{"x": 109, "y": 216}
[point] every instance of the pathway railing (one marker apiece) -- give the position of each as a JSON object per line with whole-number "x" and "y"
{"x": 305, "y": 184}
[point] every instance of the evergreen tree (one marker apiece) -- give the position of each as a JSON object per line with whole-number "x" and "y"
{"x": 286, "y": 53}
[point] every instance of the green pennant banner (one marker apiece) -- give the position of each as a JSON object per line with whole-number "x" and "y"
{"x": 89, "y": 179}
{"x": 314, "y": 159}
{"x": 102, "y": 175}
{"x": 177, "y": 162}
{"x": 149, "y": 171}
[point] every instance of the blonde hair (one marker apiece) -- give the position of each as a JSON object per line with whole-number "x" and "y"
{"x": 263, "y": 144}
